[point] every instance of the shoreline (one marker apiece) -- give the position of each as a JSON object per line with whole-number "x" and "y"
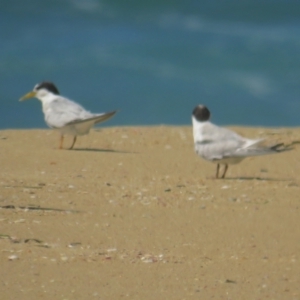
{"x": 134, "y": 211}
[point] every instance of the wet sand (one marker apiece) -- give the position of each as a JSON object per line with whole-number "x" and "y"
{"x": 134, "y": 213}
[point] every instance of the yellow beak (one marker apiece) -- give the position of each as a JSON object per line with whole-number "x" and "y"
{"x": 28, "y": 95}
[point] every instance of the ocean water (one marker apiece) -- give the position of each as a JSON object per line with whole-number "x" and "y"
{"x": 154, "y": 60}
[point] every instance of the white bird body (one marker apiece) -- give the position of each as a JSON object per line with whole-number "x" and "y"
{"x": 64, "y": 115}
{"x": 223, "y": 146}
{"x": 67, "y": 116}
{"x": 219, "y": 144}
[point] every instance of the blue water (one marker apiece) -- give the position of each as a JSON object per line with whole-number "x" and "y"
{"x": 154, "y": 60}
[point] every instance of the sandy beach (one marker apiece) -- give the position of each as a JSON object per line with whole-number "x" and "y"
{"x": 134, "y": 213}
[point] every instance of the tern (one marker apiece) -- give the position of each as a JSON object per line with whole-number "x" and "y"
{"x": 64, "y": 115}
{"x": 223, "y": 146}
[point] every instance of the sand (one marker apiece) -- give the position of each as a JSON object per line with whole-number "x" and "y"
{"x": 134, "y": 213}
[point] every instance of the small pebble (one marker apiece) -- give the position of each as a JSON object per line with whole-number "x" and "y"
{"x": 111, "y": 250}
{"x": 225, "y": 187}
{"x": 13, "y": 257}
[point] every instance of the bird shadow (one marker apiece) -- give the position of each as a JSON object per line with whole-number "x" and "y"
{"x": 256, "y": 178}
{"x": 101, "y": 150}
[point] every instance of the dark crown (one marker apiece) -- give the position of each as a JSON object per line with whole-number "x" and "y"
{"x": 47, "y": 85}
{"x": 201, "y": 113}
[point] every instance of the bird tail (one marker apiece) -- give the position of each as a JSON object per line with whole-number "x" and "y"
{"x": 105, "y": 116}
{"x": 281, "y": 147}
{"x": 260, "y": 149}
{"x": 94, "y": 119}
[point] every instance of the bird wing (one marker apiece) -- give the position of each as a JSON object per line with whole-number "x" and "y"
{"x": 96, "y": 118}
{"x": 62, "y": 111}
{"x": 259, "y": 148}
{"x": 213, "y": 150}
{"x": 216, "y": 142}
{"x": 213, "y": 142}
{"x": 82, "y": 126}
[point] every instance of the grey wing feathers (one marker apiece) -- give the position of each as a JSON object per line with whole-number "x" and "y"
{"x": 63, "y": 111}
{"x": 97, "y": 118}
{"x": 217, "y": 142}
{"x": 212, "y": 150}
{"x": 256, "y": 149}
{"x": 216, "y": 133}
{"x": 105, "y": 116}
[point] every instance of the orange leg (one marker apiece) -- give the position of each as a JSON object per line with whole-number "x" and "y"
{"x": 74, "y": 141}
{"x": 61, "y": 142}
